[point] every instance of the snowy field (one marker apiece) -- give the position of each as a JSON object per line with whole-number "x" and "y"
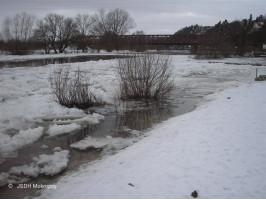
{"x": 29, "y": 112}
{"x": 217, "y": 150}
{"x": 73, "y": 54}
{"x": 43, "y": 56}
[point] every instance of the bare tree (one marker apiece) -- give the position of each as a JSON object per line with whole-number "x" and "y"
{"x": 43, "y": 35}
{"x": 56, "y": 32}
{"x": 119, "y": 21}
{"x": 2, "y": 43}
{"x": 51, "y": 21}
{"x": 116, "y": 21}
{"x": 67, "y": 30}
{"x": 111, "y": 25}
{"x": 100, "y": 23}
{"x": 18, "y": 27}
{"x": 18, "y": 31}
{"x": 84, "y": 24}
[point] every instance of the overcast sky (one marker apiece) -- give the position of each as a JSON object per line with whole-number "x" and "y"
{"x": 151, "y": 16}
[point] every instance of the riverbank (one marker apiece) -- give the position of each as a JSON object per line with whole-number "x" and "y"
{"x": 60, "y": 55}
{"x": 217, "y": 150}
{"x": 26, "y": 100}
{"x": 4, "y": 58}
{"x": 29, "y": 113}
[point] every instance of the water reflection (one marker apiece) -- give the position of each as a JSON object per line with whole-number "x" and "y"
{"x": 114, "y": 125}
{"x": 144, "y": 119}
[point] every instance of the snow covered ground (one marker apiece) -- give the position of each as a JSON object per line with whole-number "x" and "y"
{"x": 43, "y": 56}
{"x": 37, "y": 56}
{"x": 26, "y": 100}
{"x": 73, "y": 54}
{"x": 28, "y": 111}
{"x": 218, "y": 150}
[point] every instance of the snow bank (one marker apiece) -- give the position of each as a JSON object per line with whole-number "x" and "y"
{"x": 44, "y": 56}
{"x": 218, "y": 150}
{"x": 33, "y": 57}
{"x": 55, "y": 130}
{"x": 49, "y": 165}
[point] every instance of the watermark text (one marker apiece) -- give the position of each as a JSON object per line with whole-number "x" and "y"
{"x": 33, "y": 186}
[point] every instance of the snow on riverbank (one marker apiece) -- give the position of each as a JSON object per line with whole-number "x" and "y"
{"x": 38, "y": 56}
{"x": 73, "y": 54}
{"x": 26, "y": 101}
{"x": 218, "y": 150}
{"x": 61, "y": 55}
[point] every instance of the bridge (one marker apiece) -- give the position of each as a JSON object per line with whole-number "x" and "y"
{"x": 179, "y": 39}
{"x": 197, "y": 42}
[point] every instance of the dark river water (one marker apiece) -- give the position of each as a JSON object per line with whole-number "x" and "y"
{"x": 113, "y": 125}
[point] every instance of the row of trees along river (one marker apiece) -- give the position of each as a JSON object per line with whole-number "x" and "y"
{"x": 23, "y": 33}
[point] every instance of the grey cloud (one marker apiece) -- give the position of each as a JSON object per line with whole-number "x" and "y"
{"x": 152, "y": 16}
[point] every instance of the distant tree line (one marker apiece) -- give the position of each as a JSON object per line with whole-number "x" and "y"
{"x": 227, "y": 38}
{"x": 22, "y": 33}
{"x": 17, "y": 32}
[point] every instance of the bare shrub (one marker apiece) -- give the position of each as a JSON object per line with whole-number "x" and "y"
{"x": 73, "y": 89}
{"x": 146, "y": 77}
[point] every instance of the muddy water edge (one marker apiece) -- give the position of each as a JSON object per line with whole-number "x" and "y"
{"x": 140, "y": 117}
